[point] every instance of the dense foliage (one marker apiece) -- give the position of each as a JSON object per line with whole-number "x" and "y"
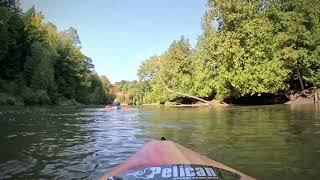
{"x": 248, "y": 48}
{"x": 132, "y": 93}
{"x": 40, "y": 65}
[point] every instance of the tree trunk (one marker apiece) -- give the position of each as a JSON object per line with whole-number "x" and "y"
{"x": 316, "y": 97}
{"x": 300, "y": 80}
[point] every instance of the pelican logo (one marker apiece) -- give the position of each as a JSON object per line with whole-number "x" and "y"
{"x": 146, "y": 173}
{"x": 178, "y": 172}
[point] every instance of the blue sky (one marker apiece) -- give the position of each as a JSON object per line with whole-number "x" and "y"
{"x": 119, "y": 34}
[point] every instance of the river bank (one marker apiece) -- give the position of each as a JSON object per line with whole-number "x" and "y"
{"x": 307, "y": 96}
{"x": 10, "y": 100}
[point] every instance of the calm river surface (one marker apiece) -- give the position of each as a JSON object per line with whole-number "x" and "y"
{"x": 266, "y": 142}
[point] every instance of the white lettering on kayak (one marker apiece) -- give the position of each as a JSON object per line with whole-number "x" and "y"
{"x": 156, "y": 170}
{"x": 200, "y": 172}
{"x": 181, "y": 173}
{"x": 166, "y": 172}
{"x": 175, "y": 171}
{"x": 210, "y": 172}
{"x": 190, "y": 172}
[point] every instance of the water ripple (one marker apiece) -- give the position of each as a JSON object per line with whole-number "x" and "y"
{"x": 83, "y": 143}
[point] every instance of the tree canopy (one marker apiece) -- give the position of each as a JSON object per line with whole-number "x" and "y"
{"x": 40, "y": 65}
{"x": 247, "y": 48}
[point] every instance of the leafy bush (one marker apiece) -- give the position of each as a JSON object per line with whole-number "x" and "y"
{"x": 6, "y": 99}
{"x": 28, "y": 96}
{"x": 42, "y": 97}
{"x": 38, "y": 97}
{"x": 8, "y": 87}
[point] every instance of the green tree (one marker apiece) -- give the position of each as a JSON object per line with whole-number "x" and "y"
{"x": 4, "y": 36}
{"x": 11, "y": 5}
{"x": 247, "y": 48}
{"x": 106, "y": 85}
{"x": 15, "y": 57}
{"x": 297, "y": 24}
{"x": 43, "y": 74}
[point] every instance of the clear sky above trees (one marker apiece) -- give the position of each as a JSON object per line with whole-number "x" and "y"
{"x": 119, "y": 35}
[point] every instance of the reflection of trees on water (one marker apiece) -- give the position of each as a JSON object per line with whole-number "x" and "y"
{"x": 41, "y": 134}
{"x": 263, "y": 140}
{"x": 318, "y": 108}
{"x": 304, "y": 125}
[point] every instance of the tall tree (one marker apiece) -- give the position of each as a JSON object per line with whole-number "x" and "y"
{"x": 4, "y": 36}
{"x": 72, "y": 35}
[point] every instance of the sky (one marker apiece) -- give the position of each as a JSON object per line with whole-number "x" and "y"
{"x": 120, "y": 34}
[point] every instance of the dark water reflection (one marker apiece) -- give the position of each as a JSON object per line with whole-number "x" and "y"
{"x": 267, "y": 142}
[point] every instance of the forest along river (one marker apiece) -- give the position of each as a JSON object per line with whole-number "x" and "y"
{"x": 266, "y": 142}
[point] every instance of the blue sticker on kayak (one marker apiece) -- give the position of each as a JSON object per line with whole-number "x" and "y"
{"x": 177, "y": 172}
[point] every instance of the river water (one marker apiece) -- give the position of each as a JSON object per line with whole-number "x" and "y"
{"x": 266, "y": 142}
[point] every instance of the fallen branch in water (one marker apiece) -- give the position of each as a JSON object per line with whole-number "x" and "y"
{"x": 202, "y": 101}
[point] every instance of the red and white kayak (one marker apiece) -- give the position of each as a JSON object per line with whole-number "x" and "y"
{"x": 162, "y": 160}
{"x": 110, "y": 107}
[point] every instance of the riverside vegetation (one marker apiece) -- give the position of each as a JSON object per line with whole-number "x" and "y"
{"x": 41, "y": 66}
{"x": 249, "y": 49}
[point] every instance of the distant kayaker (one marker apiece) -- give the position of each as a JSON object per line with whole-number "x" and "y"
{"x": 116, "y": 103}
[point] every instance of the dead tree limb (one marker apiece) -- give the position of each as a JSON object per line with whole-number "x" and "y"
{"x": 204, "y": 102}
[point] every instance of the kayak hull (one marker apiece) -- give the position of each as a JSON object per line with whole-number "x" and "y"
{"x": 109, "y": 107}
{"x": 164, "y": 153}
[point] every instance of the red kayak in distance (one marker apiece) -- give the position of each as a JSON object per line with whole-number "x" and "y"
{"x": 166, "y": 160}
{"x": 111, "y": 107}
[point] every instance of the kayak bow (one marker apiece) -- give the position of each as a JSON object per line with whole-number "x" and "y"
{"x": 168, "y": 160}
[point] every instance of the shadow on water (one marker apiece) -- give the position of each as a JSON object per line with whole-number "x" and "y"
{"x": 268, "y": 142}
